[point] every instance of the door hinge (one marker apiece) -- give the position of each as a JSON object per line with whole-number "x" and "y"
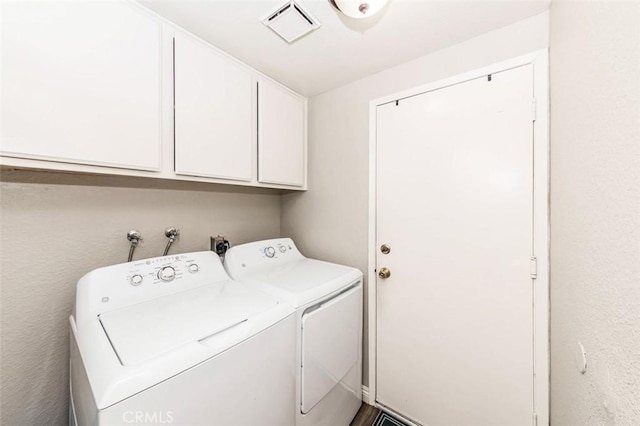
{"x": 535, "y": 419}
{"x": 533, "y": 109}
{"x": 534, "y": 267}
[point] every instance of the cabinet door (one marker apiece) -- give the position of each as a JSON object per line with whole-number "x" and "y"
{"x": 81, "y": 83}
{"x": 281, "y": 138}
{"x": 214, "y": 131}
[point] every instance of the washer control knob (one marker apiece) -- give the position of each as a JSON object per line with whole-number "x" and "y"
{"x": 193, "y": 268}
{"x": 269, "y": 251}
{"x": 282, "y": 249}
{"x": 167, "y": 273}
{"x": 136, "y": 280}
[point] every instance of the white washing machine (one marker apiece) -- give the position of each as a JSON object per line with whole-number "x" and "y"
{"x": 328, "y": 299}
{"x": 172, "y": 340}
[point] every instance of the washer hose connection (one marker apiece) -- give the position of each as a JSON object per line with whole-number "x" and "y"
{"x": 134, "y": 236}
{"x": 172, "y": 234}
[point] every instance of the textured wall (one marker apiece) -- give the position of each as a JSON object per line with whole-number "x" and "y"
{"x": 337, "y": 202}
{"x": 55, "y": 228}
{"x": 595, "y": 212}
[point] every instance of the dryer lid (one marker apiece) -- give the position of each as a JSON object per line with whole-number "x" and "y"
{"x": 146, "y": 330}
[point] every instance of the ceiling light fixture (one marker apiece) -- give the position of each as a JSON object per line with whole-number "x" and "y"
{"x": 359, "y": 9}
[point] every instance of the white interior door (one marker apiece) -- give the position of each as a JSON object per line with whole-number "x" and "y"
{"x": 455, "y": 205}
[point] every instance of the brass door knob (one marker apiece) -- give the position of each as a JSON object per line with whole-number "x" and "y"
{"x": 385, "y": 249}
{"x": 384, "y": 273}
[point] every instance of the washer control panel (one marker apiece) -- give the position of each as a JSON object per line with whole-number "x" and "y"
{"x": 164, "y": 269}
{"x": 129, "y": 283}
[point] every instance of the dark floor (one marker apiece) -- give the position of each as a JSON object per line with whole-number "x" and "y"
{"x": 366, "y": 416}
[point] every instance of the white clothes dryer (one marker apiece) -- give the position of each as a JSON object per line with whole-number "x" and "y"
{"x": 328, "y": 299}
{"x": 172, "y": 340}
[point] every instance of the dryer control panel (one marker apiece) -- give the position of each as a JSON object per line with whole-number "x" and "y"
{"x": 126, "y": 284}
{"x": 276, "y": 248}
{"x": 247, "y": 258}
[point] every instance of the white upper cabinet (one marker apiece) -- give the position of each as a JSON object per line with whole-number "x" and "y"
{"x": 81, "y": 83}
{"x": 214, "y": 119}
{"x": 109, "y": 87}
{"x": 281, "y": 136}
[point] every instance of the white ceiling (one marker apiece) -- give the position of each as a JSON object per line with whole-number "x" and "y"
{"x": 342, "y": 49}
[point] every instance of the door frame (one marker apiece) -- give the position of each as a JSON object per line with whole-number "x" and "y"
{"x": 540, "y": 114}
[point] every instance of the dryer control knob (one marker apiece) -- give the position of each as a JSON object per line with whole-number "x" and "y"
{"x": 193, "y": 268}
{"x": 167, "y": 273}
{"x": 282, "y": 249}
{"x": 269, "y": 251}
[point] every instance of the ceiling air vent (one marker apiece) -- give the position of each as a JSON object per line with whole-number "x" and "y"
{"x": 291, "y": 21}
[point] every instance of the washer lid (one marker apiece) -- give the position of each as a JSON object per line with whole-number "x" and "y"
{"x": 303, "y": 281}
{"x": 146, "y": 330}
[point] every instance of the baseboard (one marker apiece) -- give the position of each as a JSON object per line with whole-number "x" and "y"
{"x": 365, "y": 395}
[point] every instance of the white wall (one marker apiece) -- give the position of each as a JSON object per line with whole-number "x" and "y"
{"x": 57, "y": 227}
{"x": 595, "y": 212}
{"x": 330, "y": 221}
